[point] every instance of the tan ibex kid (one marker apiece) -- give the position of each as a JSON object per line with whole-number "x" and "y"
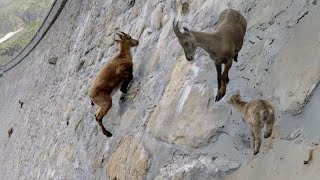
{"x": 256, "y": 114}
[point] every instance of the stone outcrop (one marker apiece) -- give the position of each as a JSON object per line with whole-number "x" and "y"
{"x": 129, "y": 161}
{"x": 195, "y": 118}
{"x": 286, "y": 161}
{"x": 294, "y": 84}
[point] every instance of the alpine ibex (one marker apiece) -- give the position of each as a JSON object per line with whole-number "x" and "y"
{"x": 114, "y": 75}
{"x": 256, "y": 114}
{"x": 222, "y": 45}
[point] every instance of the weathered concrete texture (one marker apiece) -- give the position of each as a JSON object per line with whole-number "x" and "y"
{"x": 129, "y": 161}
{"x": 168, "y": 126}
{"x": 297, "y": 71}
{"x": 286, "y": 160}
{"x": 195, "y": 118}
{"x": 184, "y": 167}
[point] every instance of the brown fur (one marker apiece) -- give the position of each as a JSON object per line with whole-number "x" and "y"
{"x": 256, "y": 114}
{"x": 115, "y": 74}
{"x": 223, "y": 44}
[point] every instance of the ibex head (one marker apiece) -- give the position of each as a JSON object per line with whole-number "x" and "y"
{"x": 126, "y": 39}
{"x": 186, "y": 40}
{"x": 235, "y": 99}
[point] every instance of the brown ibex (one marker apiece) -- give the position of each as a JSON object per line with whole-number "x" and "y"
{"x": 222, "y": 45}
{"x": 116, "y": 73}
{"x": 256, "y": 114}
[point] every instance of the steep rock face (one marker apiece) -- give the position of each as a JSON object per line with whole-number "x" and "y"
{"x": 294, "y": 83}
{"x": 286, "y": 161}
{"x": 168, "y": 127}
{"x": 129, "y": 161}
{"x": 193, "y": 118}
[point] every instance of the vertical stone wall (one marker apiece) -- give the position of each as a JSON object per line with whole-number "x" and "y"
{"x": 171, "y": 128}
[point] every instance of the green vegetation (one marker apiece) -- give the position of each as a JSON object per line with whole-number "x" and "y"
{"x": 17, "y": 14}
{"x": 21, "y": 39}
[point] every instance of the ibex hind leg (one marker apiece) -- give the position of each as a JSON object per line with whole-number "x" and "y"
{"x": 269, "y": 126}
{"x": 257, "y": 139}
{"x": 104, "y": 102}
{"x": 252, "y": 139}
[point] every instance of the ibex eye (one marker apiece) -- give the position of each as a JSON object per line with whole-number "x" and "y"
{"x": 186, "y": 43}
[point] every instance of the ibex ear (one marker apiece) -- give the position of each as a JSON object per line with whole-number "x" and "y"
{"x": 117, "y": 40}
{"x": 186, "y": 30}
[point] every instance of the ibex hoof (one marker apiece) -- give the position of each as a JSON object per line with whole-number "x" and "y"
{"x": 123, "y": 98}
{"x": 107, "y": 133}
{"x": 267, "y": 134}
{"x": 218, "y": 97}
{"x": 255, "y": 152}
{"x": 124, "y": 91}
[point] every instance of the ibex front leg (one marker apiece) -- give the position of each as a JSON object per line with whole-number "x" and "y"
{"x": 235, "y": 58}
{"x": 125, "y": 83}
{"x": 224, "y": 80}
{"x": 218, "y": 69}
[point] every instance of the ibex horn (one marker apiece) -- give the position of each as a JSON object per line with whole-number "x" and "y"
{"x": 123, "y": 33}
{"x": 176, "y": 29}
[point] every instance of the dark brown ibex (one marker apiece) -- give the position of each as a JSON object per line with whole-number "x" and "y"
{"x": 222, "y": 45}
{"x": 114, "y": 75}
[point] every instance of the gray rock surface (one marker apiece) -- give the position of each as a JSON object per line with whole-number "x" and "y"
{"x": 302, "y": 73}
{"x": 286, "y": 161}
{"x": 129, "y": 161}
{"x": 169, "y": 127}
